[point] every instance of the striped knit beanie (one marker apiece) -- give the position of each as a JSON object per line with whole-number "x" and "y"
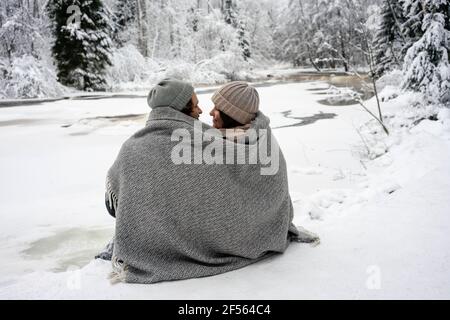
{"x": 237, "y": 100}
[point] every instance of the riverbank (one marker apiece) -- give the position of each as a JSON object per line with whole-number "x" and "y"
{"x": 260, "y": 78}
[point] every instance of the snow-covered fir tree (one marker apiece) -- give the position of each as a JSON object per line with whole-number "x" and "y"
{"x": 426, "y": 65}
{"x": 413, "y": 12}
{"x": 243, "y": 40}
{"x": 389, "y": 39}
{"x": 125, "y": 13}
{"x": 193, "y": 19}
{"x": 229, "y": 12}
{"x": 231, "y": 17}
{"x": 82, "y": 42}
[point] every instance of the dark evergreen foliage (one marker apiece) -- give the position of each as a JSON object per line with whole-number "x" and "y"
{"x": 82, "y": 43}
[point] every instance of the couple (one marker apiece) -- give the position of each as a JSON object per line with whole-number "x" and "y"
{"x": 187, "y": 220}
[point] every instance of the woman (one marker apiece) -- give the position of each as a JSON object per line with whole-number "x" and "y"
{"x": 236, "y": 104}
{"x": 236, "y": 110}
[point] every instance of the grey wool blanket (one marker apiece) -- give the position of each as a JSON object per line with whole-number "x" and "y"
{"x": 178, "y": 221}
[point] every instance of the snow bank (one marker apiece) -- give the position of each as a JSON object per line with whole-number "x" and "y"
{"x": 418, "y": 144}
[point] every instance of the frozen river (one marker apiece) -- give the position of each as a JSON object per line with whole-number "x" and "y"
{"x": 53, "y": 161}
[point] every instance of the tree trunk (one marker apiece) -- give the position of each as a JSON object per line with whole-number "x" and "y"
{"x": 343, "y": 54}
{"x": 142, "y": 27}
{"x": 36, "y": 13}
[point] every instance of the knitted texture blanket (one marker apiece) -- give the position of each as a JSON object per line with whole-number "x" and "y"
{"x": 177, "y": 221}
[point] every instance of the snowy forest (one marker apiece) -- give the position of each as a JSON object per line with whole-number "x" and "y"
{"x": 49, "y": 47}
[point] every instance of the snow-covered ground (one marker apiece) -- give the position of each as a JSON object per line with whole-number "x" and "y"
{"x": 384, "y": 224}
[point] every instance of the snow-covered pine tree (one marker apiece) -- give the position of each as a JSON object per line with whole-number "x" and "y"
{"x": 193, "y": 19}
{"x": 125, "y": 13}
{"x": 243, "y": 41}
{"x": 413, "y": 13}
{"x": 82, "y": 43}
{"x": 426, "y": 65}
{"x": 231, "y": 17}
{"x": 389, "y": 38}
{"x": 229, "y": 12}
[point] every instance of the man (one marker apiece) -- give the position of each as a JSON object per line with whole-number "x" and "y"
{"x": 192, "y": 108}
{"x": 175, "y": 94}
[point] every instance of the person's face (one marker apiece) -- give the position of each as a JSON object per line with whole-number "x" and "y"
{"x": 217, "y": 120}
{"x": 196, "y": 111}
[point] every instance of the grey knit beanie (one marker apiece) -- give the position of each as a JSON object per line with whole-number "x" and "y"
{"x": 170, "y": 93}
{"x": 237, "y": 100}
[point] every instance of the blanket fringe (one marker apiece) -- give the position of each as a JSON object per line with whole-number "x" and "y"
{"x": 305, "y": 236}
{"x": 118, "y": 274}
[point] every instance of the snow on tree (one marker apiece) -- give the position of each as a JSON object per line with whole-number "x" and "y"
{"x": 125, "y": 14}
{"x": 82, "y": 43}
{"x": 231, "y": 17}
{"x": 26, "y": 65}
{"x": 222, "y": 37}
{"x": 299, "y": 37}
{"x": 413, "y": 12}
{"x": 426, "y": 67}
{"x": 261, "y": 21}
{"x": 243, "y": 41}
{"x": 296, "y": 35}
{"x": 334, "y": 32}
{"x": 229, "y": 12}
{"x": 324, "y": 33}
{"x": 389, "y": 38}
{"x": 29, "y": 77}
{"x": 21, "y": 28}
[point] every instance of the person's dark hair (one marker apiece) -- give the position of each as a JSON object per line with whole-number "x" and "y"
{"x": 188, "y": 108}
{"x": 229, "y": 122}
